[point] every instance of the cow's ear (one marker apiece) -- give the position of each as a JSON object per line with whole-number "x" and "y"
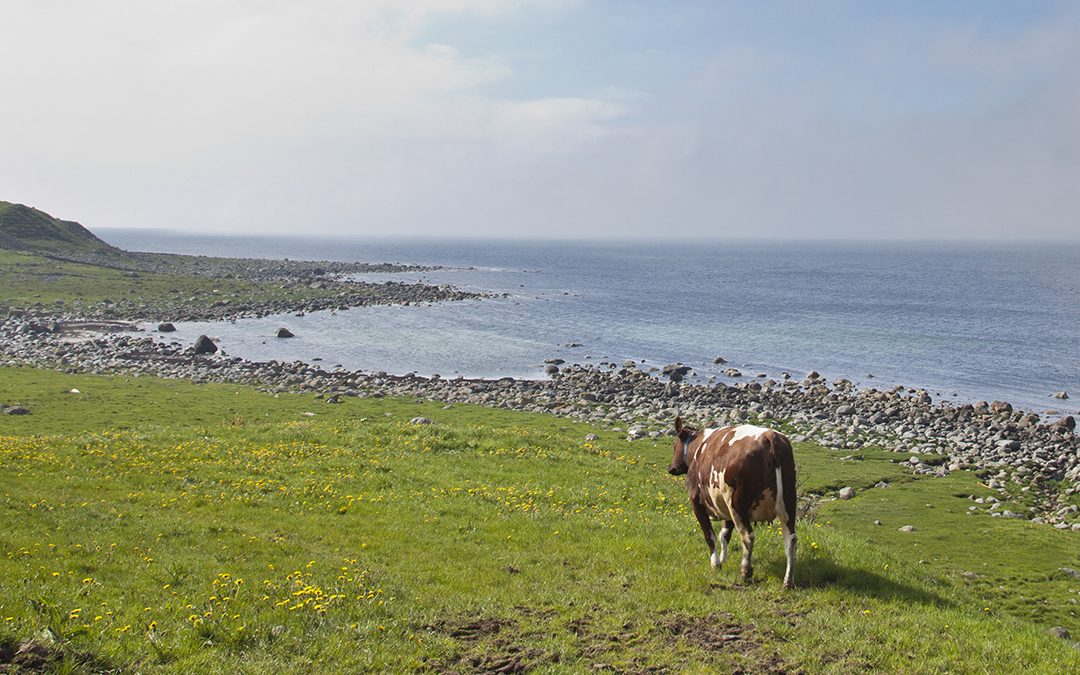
{"x": 678, "y": 425}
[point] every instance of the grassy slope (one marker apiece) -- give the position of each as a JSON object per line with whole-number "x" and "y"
{"x": 26, "y": 226}
{"x": 366, "y": 542}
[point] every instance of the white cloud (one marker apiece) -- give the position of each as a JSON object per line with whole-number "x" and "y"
{"x": 259, "y": 110}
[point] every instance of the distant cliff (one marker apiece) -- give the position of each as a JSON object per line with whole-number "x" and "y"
{"x": 24, "y": 228}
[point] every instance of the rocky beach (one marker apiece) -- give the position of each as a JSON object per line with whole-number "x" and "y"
{"x": 1017, "y": 453}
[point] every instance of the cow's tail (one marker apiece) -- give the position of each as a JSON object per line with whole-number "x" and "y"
{"x": 780, "y": 456}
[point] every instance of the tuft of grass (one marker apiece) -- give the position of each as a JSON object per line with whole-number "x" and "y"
{"x": 164, "y": 526}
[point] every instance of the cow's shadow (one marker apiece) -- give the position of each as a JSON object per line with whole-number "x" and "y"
{"x": 822, "y": 573}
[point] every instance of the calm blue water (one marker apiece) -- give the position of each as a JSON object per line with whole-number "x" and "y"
{"x": 977, "y": 322}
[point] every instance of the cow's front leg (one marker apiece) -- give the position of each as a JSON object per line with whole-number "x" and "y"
{"x": 702, "y": 515}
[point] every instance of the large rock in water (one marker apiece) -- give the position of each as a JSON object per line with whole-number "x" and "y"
{"x": 676, "y": 371}
{"x": 166, "y": 327}
{"x": 284, "y": 332}
{"x": 204, "y": 345}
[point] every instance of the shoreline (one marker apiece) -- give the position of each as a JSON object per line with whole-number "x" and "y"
{"x": 1017, "y": 453}
{"x": 1014, "y": 451}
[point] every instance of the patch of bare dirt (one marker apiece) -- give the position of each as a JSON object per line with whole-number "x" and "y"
{"x": 717, "y": 633}
{"x": 848, "y": 660}
{"x": 487, "y": 649}
{"x": 30, "y": 656}
{"x": 712, "y": 632}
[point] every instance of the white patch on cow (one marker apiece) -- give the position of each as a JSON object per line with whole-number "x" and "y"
{"x": 720, "y": 494}
{"x": 780, "y": 496}
{"x": 715, "y": 560}
{"x": 746, "y": 431}
{"x": 705, "y": 433}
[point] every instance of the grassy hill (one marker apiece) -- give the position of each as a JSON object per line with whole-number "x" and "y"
{"x": 24, "y": 228}
{"x": 255, "y": 533}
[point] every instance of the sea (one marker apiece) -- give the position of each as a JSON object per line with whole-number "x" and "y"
{"x": 965, "y": 321}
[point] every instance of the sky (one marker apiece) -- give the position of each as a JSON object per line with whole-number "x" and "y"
{"x": 547, "y": 118}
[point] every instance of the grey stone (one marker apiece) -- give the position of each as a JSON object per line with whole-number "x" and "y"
{"x": 421, "y": 420}
{"x": 846, "y": 493}
{"x": 284, "y": 332}
{"x": 16, "y": 410}
{"x": 204, "y": 345}
{"x": 1060, "y": 632}
{"x": 907, "y": 528}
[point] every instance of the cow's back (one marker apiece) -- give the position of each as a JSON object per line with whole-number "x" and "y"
{"x": 745, "y": 469}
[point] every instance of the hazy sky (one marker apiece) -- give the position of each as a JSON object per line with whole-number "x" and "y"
{"x": 546, "y": 118}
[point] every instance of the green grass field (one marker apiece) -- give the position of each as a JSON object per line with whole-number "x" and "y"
{"x": 153, "y": 525}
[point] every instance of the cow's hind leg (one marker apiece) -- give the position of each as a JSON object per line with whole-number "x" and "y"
{"x": 725, "y": 537}
{"x": 789, "y": 551}
{"x": 746, "y": 533}
{"x": 786, "y": 508}
{"x": 702, "y": 516}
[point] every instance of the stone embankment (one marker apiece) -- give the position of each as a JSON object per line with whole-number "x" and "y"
{"x": 249, "y": 269}
{"x": 279, "y": 287}
{"x": 1013, "y": 451}
{"x": 342, "y": 296}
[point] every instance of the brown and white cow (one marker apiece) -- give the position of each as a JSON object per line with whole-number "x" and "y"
{"x": 739, "y": 475}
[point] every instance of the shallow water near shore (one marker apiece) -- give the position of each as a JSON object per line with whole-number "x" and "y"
{"x": 972, "y": 322}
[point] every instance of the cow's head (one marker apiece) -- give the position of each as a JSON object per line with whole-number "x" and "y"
{"x": 683, "y": 435}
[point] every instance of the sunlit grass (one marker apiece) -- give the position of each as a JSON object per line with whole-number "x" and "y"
{"x": 152, "y": 525}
